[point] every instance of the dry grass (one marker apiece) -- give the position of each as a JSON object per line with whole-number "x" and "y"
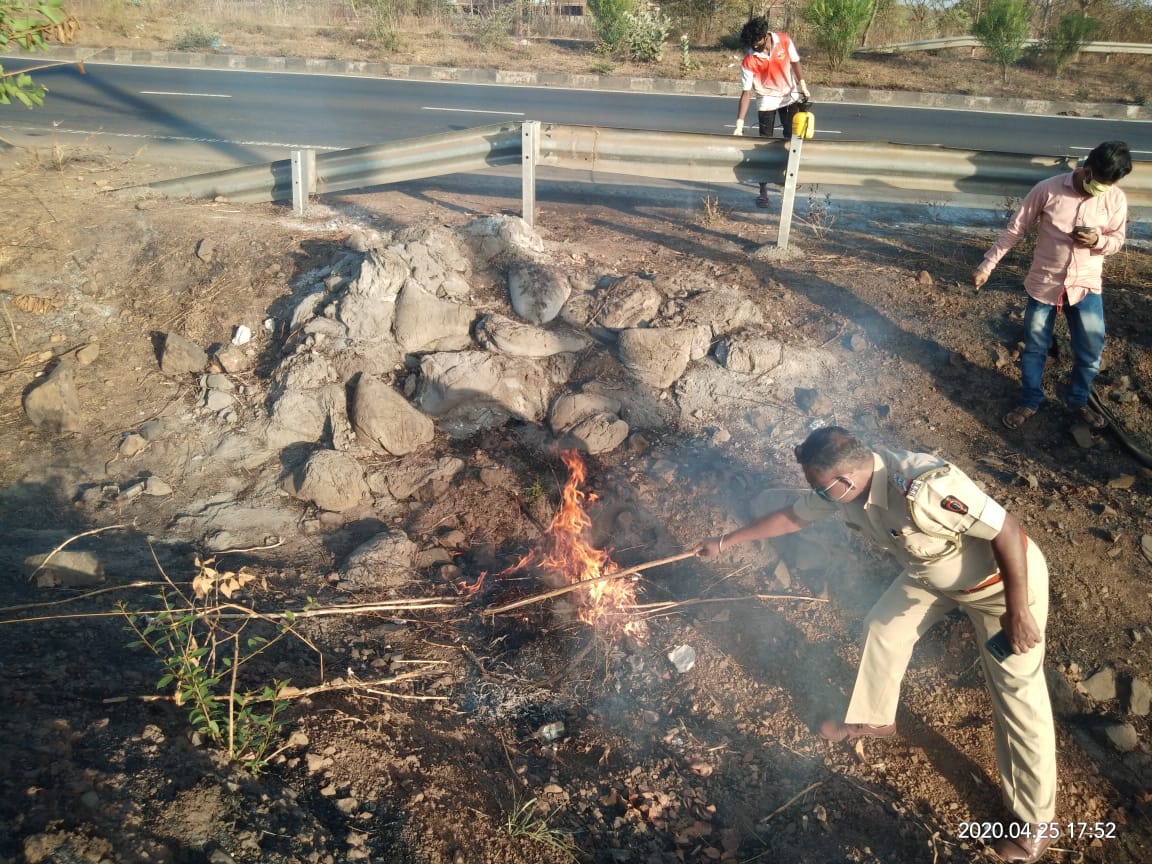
{"x": 346, "y": 31}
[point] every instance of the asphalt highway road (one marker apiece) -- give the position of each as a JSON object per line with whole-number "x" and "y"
{"x": 244, "y": 117}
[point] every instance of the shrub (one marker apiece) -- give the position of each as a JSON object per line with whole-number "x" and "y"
{"x": 837, "y": 26}
{"x": 1072, "y": 33}
{"x": 648, "y": 27}
{"x": 611, "y": 20}
{"x": 1003, "y": 30}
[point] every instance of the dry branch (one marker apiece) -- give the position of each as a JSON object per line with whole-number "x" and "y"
{"x": 49, "y": 556}
{"x": 619, "y": 574}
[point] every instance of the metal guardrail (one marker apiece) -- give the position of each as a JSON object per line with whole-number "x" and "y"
{"x": 597, "y": 150}
{"x": 945, "y": 42}
{"x": 379, "y": 164}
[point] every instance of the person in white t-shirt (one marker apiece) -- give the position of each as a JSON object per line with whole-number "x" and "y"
{"x": 771, "y": 70}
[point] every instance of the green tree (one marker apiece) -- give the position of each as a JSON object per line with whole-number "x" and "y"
{"x": 611, "y": 20}
{"x": 838, "y": 25}
{"x": 30, "y": 25}
{"x": 1003, "y": 30}
{"x": 1073, "y": 31}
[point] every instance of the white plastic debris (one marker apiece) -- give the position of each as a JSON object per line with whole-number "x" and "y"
{"x": 242, "y": 335}
{"x": 269, "y": 324}
{"x": 683, "y": 657}
{"x": 550, "y": 731}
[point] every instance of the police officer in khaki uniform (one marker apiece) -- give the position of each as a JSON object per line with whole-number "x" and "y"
{"x": 959, "y": 549}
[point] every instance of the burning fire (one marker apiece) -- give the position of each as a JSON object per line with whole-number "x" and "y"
{"x": 567, "y": 553}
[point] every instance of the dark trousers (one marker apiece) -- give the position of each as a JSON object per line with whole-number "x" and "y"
{"x": 768, "y": 124}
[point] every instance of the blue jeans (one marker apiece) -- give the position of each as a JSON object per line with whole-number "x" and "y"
{"x": 1085, "y": 326}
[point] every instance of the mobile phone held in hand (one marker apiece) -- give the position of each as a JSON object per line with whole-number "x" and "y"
{"x": 1081, "y": 229}
{"x": 999, "y": 647}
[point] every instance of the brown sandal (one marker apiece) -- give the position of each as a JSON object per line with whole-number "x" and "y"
{"x": 1092, "y": 419}
{"x": 1018, "y": 416}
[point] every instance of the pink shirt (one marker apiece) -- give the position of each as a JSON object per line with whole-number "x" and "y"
{"x": 1060, "y": 265}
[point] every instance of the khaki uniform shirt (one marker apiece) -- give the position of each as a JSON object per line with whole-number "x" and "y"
{"x": 929, "y": 513}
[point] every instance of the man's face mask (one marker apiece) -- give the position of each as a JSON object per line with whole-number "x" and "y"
{"x": 1091, "y": 185}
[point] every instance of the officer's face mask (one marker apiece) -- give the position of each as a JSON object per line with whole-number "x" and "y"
{"x": 1091, "y": 185}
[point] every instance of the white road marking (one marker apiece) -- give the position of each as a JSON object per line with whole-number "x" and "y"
{"x": 472, "y": 111}
{"x": 172, "y": 93}
{"x": 1141, "y": 152}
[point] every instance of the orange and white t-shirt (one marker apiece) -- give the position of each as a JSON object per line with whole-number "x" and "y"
{"x": 769, "y": 73}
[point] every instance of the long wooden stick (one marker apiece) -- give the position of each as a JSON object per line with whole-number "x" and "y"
{"x": 619, "y": 574}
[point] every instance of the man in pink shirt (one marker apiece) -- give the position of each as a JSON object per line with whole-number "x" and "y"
{"x": 1080, "y": 217}
{"x": 771, "y": 70}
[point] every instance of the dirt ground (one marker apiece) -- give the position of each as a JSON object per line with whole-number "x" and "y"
{"x": 717, "y": 763}
{"x": 436, "y": 738}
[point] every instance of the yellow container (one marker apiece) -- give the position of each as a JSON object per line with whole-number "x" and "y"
{"x": 804, "y": 124}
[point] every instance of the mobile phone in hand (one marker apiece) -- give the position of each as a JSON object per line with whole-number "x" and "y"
{"x": 999, "y": 647}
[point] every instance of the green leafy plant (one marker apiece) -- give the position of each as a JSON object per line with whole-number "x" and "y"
{"x": 527, "y": 821}
{"x": 533, "y": 490}
{"x": 838, "y": 26}
{"x": 1072, "y": 33}
{"x": 195, "y": 37}
{"x": 1003, "y": 31}
{"x": 202, "y": 643}
{"x": 30, "y": 25}
{"x": 611, "y": 23}
{"x": 648, "y": 29}
{"x": 687, "y": 64}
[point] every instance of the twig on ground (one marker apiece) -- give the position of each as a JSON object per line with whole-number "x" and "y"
{"x": 619, "y": 574}
{"x": 651, "y": 610}
{"x": 50, "y": 555}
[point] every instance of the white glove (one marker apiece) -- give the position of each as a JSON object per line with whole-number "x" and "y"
{"x": 804, "y": 89}
{"x": 739, "y": 128}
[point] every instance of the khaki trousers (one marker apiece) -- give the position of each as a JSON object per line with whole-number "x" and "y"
{"x": 1021, "y": 709}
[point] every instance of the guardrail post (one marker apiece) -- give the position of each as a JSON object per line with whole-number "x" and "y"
{"x": 303, "y": 178}
{"x": 789, "y": 191}
{"x": 529, "y": 156}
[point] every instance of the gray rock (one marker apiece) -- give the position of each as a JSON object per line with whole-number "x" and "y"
{"x": 1101, "y": 687}
{"x": 406, "y": 478}
{"x": 233, "y": 359}
{"x": 296, "y": 418}
{"x": 384, "y": 420}
{"x": 498, "y": 236}
{"x": 471, "y": 390}
{"x": 1140, "y": 699}
{"x": 181, "y": 357}
{"x": 217, "y": 400}
{"x": 656, "y": 357}
{"x": 54, "y": 404}
{"x": 499, "y": 333}
{"x": 570, "y": 408}
{"x": 537, "y": 290}
{"x": 66, "y": 569}
{"x": 386, "y": 561}
{"x": 152, "y": 429}
{"x": 132, "y": 444}
{"x": 598, "y": 433}
{"x": 217, "y": 381}
{"x": 88, "y": 354}
{"x": 156, "y": 487}
{"x": 425, "y": 322}
{"x": 206, "y": 251}
{"x": 368, "y": 306}
{"x": 631, "y": 301}
{"x": 1122, "y": 736}
{"x": 331, "y": 480}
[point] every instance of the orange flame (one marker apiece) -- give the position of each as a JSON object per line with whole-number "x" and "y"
{"x": 567, "y": 552}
